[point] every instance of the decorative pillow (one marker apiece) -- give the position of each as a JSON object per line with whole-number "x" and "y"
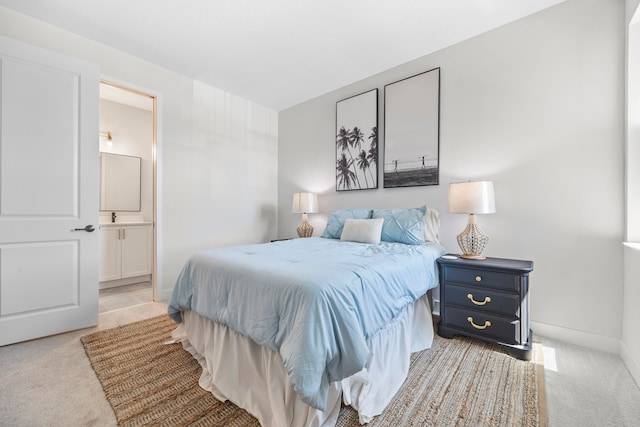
{"x": 333, "y": 230}
{"x": 431, "y": 226}
{"x": 402, "y": 225}
{"x": 362, "y": 230}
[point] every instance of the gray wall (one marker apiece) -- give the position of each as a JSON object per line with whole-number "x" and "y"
{"x": 535, "y": 106}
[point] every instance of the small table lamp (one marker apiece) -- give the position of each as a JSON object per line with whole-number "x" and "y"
{"x": 304, "y": 203}
{"x": 472, "y": 198}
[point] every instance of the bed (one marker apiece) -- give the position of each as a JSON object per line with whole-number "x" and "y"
{"x": 290, "y": 329}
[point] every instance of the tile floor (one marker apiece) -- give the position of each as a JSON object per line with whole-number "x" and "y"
{"x": 125, "y": 296}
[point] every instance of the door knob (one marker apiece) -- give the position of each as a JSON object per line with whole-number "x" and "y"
{"x": 89, "y": 228}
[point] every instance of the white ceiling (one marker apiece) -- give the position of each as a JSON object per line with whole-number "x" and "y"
{"x": 278, "y": 53}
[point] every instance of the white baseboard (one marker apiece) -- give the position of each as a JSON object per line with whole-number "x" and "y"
{"x": 632, "y": 364}
{"x": 164, "y": 296}
{"x": 124, "y": 282}
{"x": 572, "y": 336}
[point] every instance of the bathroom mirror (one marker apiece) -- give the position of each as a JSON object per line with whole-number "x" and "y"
{"x": 119, "y": 183}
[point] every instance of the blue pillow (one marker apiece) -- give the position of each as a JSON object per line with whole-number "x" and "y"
{"x": 402, "y": 225}
{"x": 335, "y": 224}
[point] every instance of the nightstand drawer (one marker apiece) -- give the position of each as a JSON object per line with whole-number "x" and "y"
{"x": 483, "y": 299}
{"x": 485, "y": 325}
{"x": 490, "y": 279}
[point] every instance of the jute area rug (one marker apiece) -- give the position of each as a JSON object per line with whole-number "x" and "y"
{"x": 458, "y": 382}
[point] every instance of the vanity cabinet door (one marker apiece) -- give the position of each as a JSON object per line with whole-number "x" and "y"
{"x": 136, "y": 250}
{"x": 125, "y": 251}
{"x": 110, "y": 253}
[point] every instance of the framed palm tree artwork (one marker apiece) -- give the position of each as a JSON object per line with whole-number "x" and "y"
{"x": 357, "y": 142}
{"x": 412, "y": 131}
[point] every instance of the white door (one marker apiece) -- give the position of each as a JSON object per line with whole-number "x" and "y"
{"x": 49, "y": 174}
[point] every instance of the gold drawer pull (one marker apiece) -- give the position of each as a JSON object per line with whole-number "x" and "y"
{"x": 486, "y": 300}
{"x": 478, "y": 278}
{"x": 486, "y": 324}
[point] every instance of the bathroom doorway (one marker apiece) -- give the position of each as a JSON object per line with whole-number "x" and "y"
{"x": 127, "y": 197}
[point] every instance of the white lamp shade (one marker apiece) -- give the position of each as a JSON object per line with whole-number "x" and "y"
{"x": 472, "y": 197}
{"x": 304, "y": 203}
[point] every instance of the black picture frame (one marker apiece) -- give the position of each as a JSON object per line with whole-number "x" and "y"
{"x": 412, "y": 131}
{"x": 357, "y": 142}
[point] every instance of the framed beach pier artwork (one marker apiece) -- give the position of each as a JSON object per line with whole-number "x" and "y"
{"x": 357, "y": 142}
{"x": 412, "y": 131}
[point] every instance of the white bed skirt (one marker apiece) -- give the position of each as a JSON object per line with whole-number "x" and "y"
{"x": 253, "y": 377}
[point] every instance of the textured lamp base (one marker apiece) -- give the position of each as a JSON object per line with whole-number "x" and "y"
{"x": 304, "y": 229}
{"x": 472, "y": 240}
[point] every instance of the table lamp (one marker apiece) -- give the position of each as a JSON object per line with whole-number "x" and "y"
{"x": 304, "y": 203}
{"x": 472, "y": 198}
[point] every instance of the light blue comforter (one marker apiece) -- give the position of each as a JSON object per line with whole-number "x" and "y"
{"x": 315, "y": 301}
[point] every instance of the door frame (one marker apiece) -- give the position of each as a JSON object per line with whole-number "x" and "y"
{"x": 155, "y": 96}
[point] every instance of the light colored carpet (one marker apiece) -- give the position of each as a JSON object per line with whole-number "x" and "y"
{"x": 49, "y": 381}
{"x": 459, "y": 382}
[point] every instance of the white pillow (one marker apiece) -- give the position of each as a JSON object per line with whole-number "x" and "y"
{"x": 431, "y": 225}
{"x": 362, "y": 230}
